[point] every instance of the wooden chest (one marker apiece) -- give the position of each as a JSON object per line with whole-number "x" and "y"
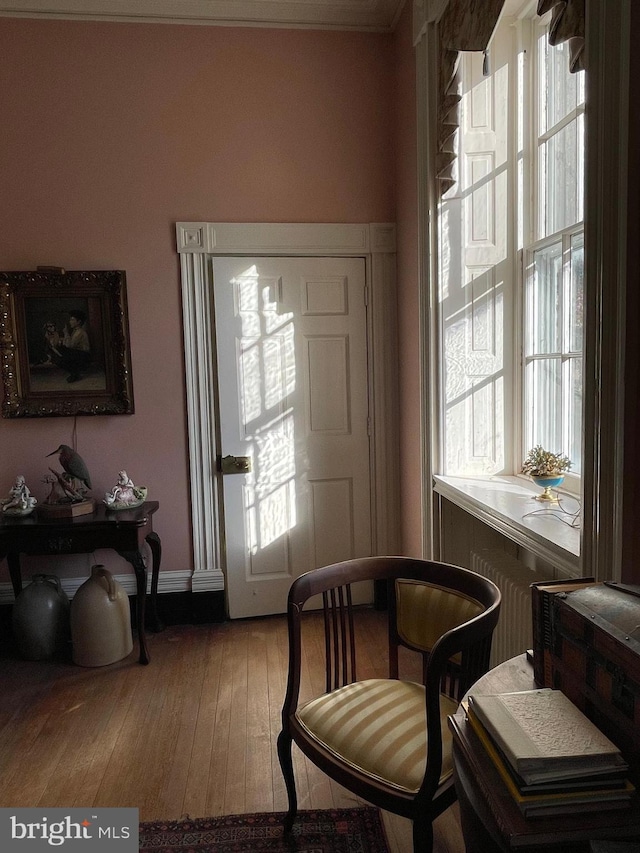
{"x": 594, "y": 656}
{"x": 542, "y": 595}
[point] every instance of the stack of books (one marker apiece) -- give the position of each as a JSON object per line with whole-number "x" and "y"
{"x": 552, "y": 759}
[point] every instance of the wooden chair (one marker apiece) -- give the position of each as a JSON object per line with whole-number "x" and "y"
{"x": 385, "y": 739}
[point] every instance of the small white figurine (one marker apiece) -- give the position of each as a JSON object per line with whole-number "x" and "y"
{"x": 21, "y": 501}
{"x": 125, "y": 494}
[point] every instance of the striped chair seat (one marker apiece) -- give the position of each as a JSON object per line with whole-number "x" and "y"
{"x": 378, "y": 726}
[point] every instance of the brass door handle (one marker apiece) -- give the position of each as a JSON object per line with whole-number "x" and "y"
{"x": 235, "y": 464}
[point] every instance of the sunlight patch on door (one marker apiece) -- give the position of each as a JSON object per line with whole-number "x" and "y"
{"x": 267, "y": 380}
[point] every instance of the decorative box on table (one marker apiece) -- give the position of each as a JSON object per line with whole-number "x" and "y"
{"x": 594, "y": 658}
{"x": 542, "y": 595}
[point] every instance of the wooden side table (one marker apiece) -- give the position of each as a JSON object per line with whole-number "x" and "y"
{"x": 491, "y": 820}
{"x": 124, "y": 531}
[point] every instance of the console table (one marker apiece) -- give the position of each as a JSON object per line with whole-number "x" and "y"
{"x": 491, "y": 820}
{"x": 124, "y": 531}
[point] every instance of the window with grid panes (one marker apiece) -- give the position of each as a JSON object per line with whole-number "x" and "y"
{"x": 553, "y": 276}
{"x": 511, "y": 365}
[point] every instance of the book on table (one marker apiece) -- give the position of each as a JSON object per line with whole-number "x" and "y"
{"x": 600, "y": 791}
{"x": 545, "y": 737}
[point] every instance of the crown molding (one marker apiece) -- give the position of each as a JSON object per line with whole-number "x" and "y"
{"x": 367, "y": 15}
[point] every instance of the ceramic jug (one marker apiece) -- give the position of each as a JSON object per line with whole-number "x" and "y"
{"x": 100, "y": 620}
{"x": 41, "y": 618}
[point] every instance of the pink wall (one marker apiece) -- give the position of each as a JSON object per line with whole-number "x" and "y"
{"x": 408, "y": 299}
{"x": 112, "y": 132}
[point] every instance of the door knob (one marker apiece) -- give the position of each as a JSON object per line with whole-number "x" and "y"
{"x": 235, "y": 464}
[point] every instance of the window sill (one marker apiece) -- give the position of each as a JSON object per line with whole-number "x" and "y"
{"x": 502, "y": 502}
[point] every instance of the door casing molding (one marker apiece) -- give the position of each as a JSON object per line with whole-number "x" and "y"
{"x": 197, "y": 244}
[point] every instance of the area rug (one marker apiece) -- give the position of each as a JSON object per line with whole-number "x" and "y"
{"x": 356, "y": 830}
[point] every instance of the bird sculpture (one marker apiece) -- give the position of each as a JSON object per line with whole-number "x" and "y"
{"x": 73, "y": 464}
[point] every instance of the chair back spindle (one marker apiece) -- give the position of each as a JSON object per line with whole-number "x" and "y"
{"x": 340, "y": 649}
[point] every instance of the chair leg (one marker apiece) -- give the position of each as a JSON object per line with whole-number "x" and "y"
{"x": 422, "y": 834}
{"x": 286, "y": 765}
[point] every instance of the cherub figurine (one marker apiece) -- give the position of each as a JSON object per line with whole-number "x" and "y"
{"x": 125, "y": 494}
{"x": 20, "y": 501}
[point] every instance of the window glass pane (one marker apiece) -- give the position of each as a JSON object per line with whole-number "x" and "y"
{"x": 521, "y": 101}
{"x": 580, "y": 78}
{"x": 520, "y": 212}
{"x": 543, "y": 320}
{"x": 576, "y": 293}
{"x": 543, "y": 50}
{"x": 560, "y": 90}
{"x": 561, "y": 179}
{"x": 544, "y": 404}
{"x": 575, "y": 415}
{"x": 580, "y": 169}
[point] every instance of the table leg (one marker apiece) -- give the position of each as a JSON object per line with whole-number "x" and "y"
{"x": 475, "y": 818}
{"x": 156, "y": 555}
{"x": 137, "y": 561}
{"x": 476, "y": 837}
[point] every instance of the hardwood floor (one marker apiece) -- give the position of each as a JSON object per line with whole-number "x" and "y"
{"x": 193, "y": 733}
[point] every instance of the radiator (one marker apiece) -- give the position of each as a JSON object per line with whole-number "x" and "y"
{"x": 513, "y": 633}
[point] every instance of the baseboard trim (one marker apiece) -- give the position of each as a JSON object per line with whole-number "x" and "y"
{"x": 168, "y": 582}
{"x": 191, "y": 608}
{"x": 174, "y": 608}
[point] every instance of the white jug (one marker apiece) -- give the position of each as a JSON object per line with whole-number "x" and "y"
{"x": 100, "y": 620}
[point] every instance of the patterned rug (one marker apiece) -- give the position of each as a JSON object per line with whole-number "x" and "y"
{"x": 327, "y": 831}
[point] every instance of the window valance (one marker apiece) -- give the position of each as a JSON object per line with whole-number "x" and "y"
{"x": 468, "y": 25}
{"x": 567, "y": 24}
{"x": 464, "y": 25}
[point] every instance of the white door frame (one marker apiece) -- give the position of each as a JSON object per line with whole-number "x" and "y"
{"x": 197, "y": 244}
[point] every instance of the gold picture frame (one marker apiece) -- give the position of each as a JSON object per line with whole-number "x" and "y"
{"x": 64, "y": 344}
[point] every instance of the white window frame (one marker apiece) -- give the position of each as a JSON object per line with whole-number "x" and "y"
{"x": 607, "y": 49}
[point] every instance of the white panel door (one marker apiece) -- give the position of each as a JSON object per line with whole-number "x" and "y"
{"x": 293, "y": 391}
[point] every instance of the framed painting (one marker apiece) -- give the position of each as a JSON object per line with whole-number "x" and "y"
{"x": 64, "y": 344}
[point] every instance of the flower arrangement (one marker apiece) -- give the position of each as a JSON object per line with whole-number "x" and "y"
{"x": 543, "y": 463}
